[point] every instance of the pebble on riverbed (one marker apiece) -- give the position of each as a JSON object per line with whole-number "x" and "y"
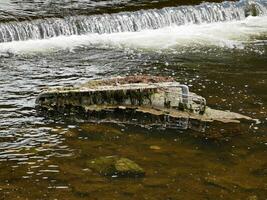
{"x": 115, "y": 166}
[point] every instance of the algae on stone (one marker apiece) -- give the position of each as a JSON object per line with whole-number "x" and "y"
{"x": 116, "y": 166}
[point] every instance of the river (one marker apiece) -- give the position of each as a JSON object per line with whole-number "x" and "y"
{"x": 213, "y": 47}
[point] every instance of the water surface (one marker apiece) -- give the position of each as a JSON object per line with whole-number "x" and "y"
{"x": 223, "y": 58}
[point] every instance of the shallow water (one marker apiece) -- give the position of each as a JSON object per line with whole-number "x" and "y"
{"x": 45, "y": 158}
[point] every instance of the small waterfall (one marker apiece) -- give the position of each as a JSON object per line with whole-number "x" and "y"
{"x": 130, "y": 21}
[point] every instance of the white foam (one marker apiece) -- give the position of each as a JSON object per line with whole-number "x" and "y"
{"x": 234, "y": 34}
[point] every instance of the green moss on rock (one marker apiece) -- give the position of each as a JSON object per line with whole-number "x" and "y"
{"x": 116, "y": 166}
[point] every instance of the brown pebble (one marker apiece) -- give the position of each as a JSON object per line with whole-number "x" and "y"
{"x": 154, "y": 147}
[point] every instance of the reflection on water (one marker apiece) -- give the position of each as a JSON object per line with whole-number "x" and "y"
{"x": 46, "y": 158}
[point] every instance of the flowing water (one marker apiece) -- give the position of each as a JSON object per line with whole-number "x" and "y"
{"x": 216, "y": 48}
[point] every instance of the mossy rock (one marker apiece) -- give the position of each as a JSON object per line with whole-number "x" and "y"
{"x": 252, "y": 10}
{"x": 116, "y": 166}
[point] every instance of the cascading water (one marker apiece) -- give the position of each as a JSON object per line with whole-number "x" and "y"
{"x": 130, "y": 21}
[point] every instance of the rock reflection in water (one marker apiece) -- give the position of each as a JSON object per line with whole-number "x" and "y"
{"x": 125, "y": 117}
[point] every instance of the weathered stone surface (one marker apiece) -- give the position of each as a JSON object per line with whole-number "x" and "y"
{"x": 93, "y": 97}
{"x": 124, "y": 92}
{"x": 116, "y": 166}
{"x": 161, "y": 99}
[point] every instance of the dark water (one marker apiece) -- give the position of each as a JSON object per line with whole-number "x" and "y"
{"x": 223, "y": 59}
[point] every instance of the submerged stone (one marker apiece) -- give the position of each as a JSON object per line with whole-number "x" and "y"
{"x": 261, "y": 172}
{"x": 253, "y": 197}
{"x": 252, "y": 10}
{"x": 228, "y": 183}
{"x": 154, "y": 147}
{"x": 135, "y": 99}
{"x": 116, "y": 166}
